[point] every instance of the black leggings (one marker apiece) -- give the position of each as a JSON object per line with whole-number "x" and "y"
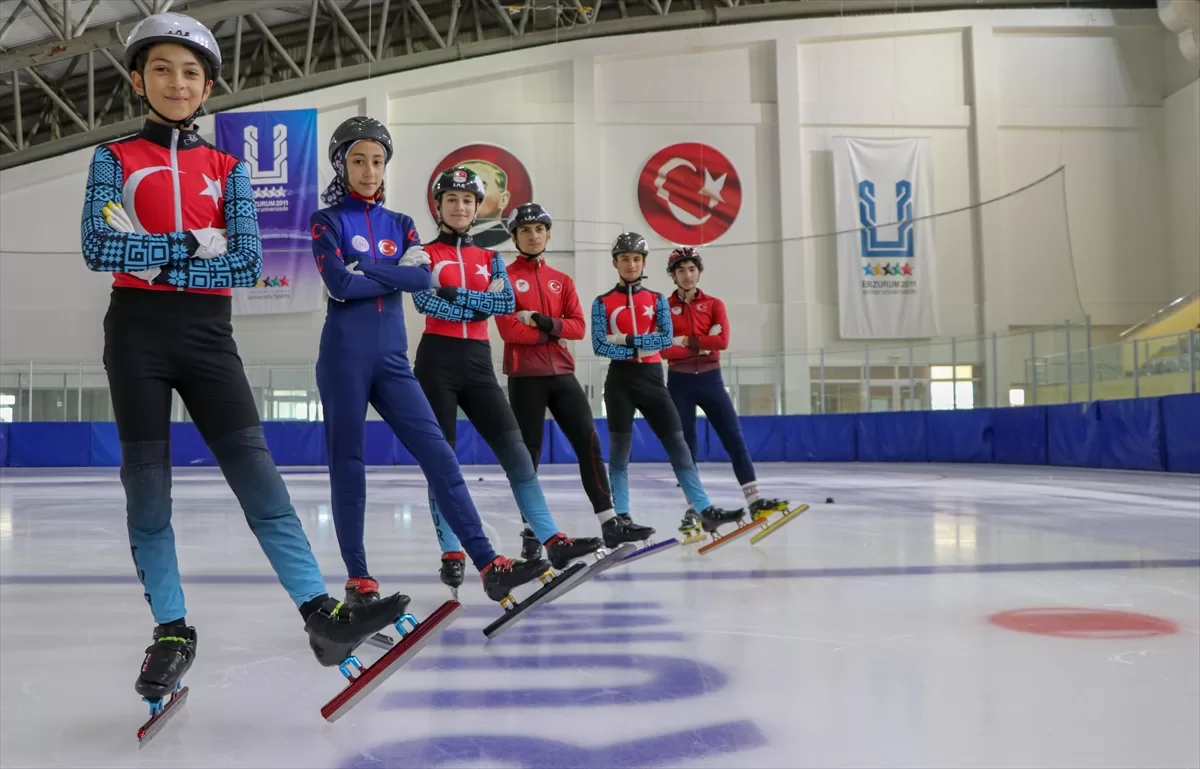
{"x": 530, "y": 396}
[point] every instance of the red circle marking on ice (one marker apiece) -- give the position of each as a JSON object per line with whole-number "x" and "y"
{"x": 1083, "y": 623}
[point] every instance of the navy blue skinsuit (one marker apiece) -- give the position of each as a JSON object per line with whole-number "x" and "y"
{"x": 364, "y": 359}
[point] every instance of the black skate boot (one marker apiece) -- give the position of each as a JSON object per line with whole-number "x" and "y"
{"x": 167, "y": 659}
{"x": 690, "y": 525}
{"x": 713, "y": 517}
{"x": 764, "y": 507}
{"x": 453, "y": 568}
{"x": 561, "y": 549}
{"x": 361, "y": 590}
{"x": 503, "y": 574}
{"x": 336, "y": 629}
{"x": 620, "y": 529}
{"x": 531, "y": 549}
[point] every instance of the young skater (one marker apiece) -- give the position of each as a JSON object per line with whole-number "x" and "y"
{"x": 174, "y": 219}
{"x": 701, "y": 331}
{"x": 454, "y": 364}
{"x": 541, "y": 370}
{"x": 368, "y": 258}
{"x": 631, "y": 325}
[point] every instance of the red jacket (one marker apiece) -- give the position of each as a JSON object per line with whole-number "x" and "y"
{"x": 457, "y": 263}
{"x": 695, "y": 320}
{"x": 533, "y": 351}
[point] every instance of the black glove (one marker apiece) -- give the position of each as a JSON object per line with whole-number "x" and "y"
{"x": 449, "y": 293}
{"x": 477, "y": 315}
{"x": 544, "y": 324}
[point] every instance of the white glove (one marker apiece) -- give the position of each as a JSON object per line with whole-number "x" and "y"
{"x": 525, "y": 317}
{"x": 353, "y": 271}
{"x": 115, "y": 217}
{"x": 715, "y": 330}
{"x": 212, "y": 243}
{"x": 617, "y": 339}
{"x": 706, "y": 352}
{"x": 679, "y": 341}
{"x": 496, "y": 286}
{"x": 414, "y": 257}
{"x": 562, "y": 342}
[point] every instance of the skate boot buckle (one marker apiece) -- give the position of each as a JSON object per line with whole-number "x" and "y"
{"x": 412, "y": 621}
{"x": 351, "y": 660}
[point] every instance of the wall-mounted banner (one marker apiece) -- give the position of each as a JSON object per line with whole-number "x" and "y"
{"x": 689, "y": 194}
{"x": 280, "y": 149}
{"x": 886, "y": 283}
{"x": 507, "y": 182}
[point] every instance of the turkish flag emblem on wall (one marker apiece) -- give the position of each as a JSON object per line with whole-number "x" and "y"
{"x": 689, "y": 193}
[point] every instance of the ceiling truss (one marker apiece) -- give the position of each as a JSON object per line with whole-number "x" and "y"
{"x": 70, "y": 90}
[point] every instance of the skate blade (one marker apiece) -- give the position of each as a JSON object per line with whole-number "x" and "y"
{"x": 156, "y": 722}
{"x": 395, "y": 658}
{"x": 657, "y": 547}
{"x": 614, "y": 558}
{"x": 697, "y": 535}
{"x": 561, "y": 584}
{"x": 740, "y": 531}
{"x": 778, "y": 524}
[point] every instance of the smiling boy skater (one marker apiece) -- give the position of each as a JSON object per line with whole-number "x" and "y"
{"x": 174, "y": 219}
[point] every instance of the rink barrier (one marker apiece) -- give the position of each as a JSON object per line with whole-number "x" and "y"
{"x": 1160, "y": 434}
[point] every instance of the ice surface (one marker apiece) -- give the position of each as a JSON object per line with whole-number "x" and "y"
{"x": 858, "y": 635}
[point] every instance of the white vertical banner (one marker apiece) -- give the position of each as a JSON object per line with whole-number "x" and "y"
{"x": 886, "y": 279}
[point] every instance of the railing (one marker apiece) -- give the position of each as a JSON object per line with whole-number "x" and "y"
{"x": 1060, "y": 364}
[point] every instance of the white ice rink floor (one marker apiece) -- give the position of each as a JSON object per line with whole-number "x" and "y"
{"x": 933, "y": 616}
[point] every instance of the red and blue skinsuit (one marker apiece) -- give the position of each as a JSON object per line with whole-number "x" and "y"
{"x": 364, "y": 359}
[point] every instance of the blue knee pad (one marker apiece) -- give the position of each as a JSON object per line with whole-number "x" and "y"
{"x": 518, "y": 466}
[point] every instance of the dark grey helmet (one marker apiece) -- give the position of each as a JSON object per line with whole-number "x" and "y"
{"x": 459, "y": 178}
{"x": 361, "y": 129}
{"x": 630, "y": 241}
{"x": 528, "y": 213}
{"x": 173, "y": 28}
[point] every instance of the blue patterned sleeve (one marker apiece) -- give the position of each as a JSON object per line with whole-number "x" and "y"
{"x": 105, "y": 249}
{"x": 241, "y": 264}
{"x": 428, "y": 303}
{"x": 491, "y": 303}
{"x": 660, "y": 339}
{"x": 600, "y": 343}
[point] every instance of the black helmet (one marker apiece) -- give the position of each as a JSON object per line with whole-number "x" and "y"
{"x": 683, "y": 254}
{"x": 528, "y": 213}
{"x": 459, "y": 178}
{"x": 361, "y": 129}
{"x": 630, "y": 241}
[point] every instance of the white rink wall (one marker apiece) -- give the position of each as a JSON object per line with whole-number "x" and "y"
{"x": 1006, "y": 96}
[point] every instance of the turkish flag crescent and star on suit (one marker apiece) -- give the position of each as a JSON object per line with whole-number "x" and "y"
{"x": 689, "y": 194}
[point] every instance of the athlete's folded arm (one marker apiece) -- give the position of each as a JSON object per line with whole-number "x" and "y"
{"x": 107, "y": 250}
{"x": 496, "y": 303}
{"x": 660, "y": 339}
{"x": 343, "y": 285}
{"x": 410, "y": 279}
{"x": 241, "y": 264}
{"x": 428, "y": 303}
{"x": 600, "y": 343}
{"x": 571, "y": 325}
{"x": 514, "y": 331}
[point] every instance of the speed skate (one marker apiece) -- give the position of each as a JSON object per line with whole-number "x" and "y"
{"x": 648, "y": 550}
{"x": 413, "y": 638}
{"x": 553, "y": 586}
{"x": 720, "y": 540}
{"x": 161, "y": 711}
{"x": 778, "y": 523}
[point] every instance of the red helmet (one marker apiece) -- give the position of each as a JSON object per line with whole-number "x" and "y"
{"x": 683, "y": 254}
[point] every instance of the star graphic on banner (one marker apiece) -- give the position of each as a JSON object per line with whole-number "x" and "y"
{"x": 283, "y": 281}
{"x": 867, "y": 271}
{"x": 212, "y": 188}
{"x": 648, "y": 311}
{"x": 908, "y": 270}
{"x": 887, "y": 269}
{"x": 483, "y": 272}
{"x": 878, "y": 269}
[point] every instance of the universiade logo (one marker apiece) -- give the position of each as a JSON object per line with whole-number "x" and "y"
{"x": 878, "y": 278}
{"x": 270, "y": 191}
{"x": 661, "y": 678}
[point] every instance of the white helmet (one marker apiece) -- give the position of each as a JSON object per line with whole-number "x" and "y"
{"x": 173, "y": 28}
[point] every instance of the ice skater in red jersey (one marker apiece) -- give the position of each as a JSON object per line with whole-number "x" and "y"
{"x": 701, "y": 331}
{"x": 541, "y": 370}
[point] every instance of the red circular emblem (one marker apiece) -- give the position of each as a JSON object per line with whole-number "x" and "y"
{"x": 387, "y": 247}
{"x": 504, "y": 177}
{"x": 689, "y": 193}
